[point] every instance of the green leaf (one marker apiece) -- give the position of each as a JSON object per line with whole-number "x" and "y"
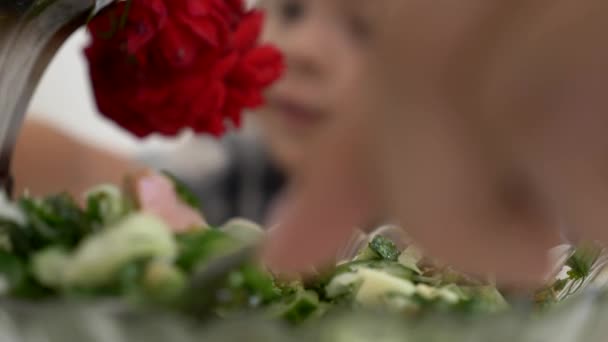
{"x": 582, "y": 260}
{"x": 482, "y": 299}
{"x": 55, "y": 220}
{"x": 163, "y": 282}
{"x": 183, "y": 192}
{"x": 19, "y": 238}
{"x": 260, "y": 283}
{"x": 30, "y": 289}
{"x": 301, "y": 307}
{"x": 129, "y": 277}
{"x": 12, "y": 271}
{"x": 200, "y": 246}
{"x": 385, "y": 248}
{"x": 106, "y": 205}
{"x": 410, "y": 258}
{"x": 100, "y": 256}
{"x": 367, "y": 254}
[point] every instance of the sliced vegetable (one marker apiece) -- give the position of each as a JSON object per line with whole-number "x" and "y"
{"x": 343, "y": 284}
{"x": 100, "y": 256}
{"x": 49, "y": 266}
{"x": 243, "y": 230}
{"x": 106, "y": 204}
{"x": 375, "y": 284}
{"x": 162, "y": 281}
{"x": 410, "y": 258}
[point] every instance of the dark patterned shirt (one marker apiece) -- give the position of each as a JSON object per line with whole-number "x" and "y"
{"x": 245, "y": 187}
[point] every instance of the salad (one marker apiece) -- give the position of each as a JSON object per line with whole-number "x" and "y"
{"x": 122, "y": 246}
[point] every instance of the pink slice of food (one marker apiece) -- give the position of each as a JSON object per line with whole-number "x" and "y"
{"x": 155, "y": 194}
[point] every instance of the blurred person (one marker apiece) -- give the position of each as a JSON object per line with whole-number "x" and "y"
{"x": 323, "y": 48}
{"x": 355, "y": 122}
{"x": 486, "y": 120}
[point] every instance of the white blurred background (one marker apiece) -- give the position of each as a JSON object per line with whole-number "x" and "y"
{"x": 64, "y": 99}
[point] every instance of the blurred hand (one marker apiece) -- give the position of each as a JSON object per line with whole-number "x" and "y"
{"x": 482, "y": 129}
{"x": 47, "y": 161}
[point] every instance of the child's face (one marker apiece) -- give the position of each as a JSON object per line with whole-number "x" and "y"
{"x": 323, "y": 48}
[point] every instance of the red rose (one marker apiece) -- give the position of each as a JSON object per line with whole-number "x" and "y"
{"x": 161, "y": 66}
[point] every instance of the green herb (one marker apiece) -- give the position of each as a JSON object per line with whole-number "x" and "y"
{"x": 410, "y": 258}
{"x": 582, "y": 260}
{"x": 19, "y": 238}
{"x": 367, "y": 254}
{"x": 300, "y": 308}
{"x": 12, "y": 272}
{"x": 108, "y": 249}
{"x": 385, "y": 248}
{"x": 184, "y": 193}
{"x": 55, "y": 220}
{"x": 260, "y": 283}
{"x": 197, "y": 247}
{"x": 107, "y": 205}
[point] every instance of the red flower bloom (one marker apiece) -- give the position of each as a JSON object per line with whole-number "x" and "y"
{"x": 161, "y": 66}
